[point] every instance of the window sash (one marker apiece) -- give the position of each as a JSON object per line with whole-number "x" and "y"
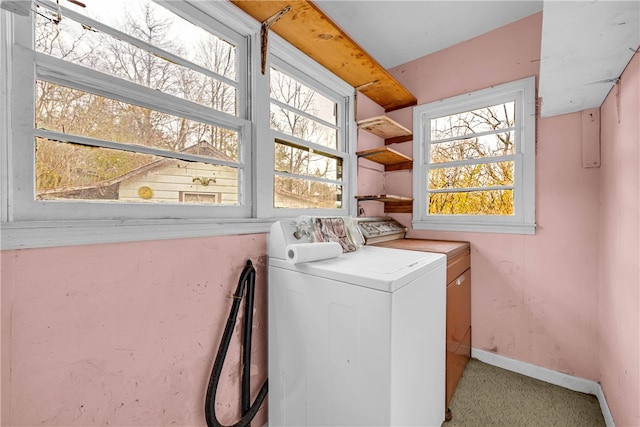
{"x": 83, "y": 19}
{"x": 522, "y": 221}
{"x": 283, "y": 60}
{"x": 92, "y": 142}
{"x": 84, "y": 79}
{"x": 45, "y": 67}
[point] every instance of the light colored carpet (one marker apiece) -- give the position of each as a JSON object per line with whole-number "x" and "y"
{"x": 491, "y": 396}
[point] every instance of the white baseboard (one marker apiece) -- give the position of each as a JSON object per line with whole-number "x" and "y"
{"x": 547, "y": 375}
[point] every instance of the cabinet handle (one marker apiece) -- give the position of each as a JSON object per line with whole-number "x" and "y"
{"x": 460, "y": 280}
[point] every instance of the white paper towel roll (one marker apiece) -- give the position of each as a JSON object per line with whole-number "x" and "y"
{"x": 306, "y": 252}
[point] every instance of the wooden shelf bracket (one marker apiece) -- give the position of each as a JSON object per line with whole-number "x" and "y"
{"x": 264, "y": 35}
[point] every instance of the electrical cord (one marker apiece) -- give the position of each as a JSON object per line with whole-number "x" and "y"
{"x": 249, "y": 411}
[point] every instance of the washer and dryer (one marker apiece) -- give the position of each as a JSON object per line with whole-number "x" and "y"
{"x": 355, "y": 340}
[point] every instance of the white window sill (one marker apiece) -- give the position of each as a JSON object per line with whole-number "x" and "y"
{"x": 40, "y": 234}
{"x": 506, "y": 228}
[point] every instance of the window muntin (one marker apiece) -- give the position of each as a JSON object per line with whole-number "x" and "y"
{"x": 477, "y": 159}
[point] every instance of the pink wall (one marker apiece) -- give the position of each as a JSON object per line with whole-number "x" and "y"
{"x": 125, "y": 334}
{"x": 534, "y": 298}
{"x": 619, "y": 233}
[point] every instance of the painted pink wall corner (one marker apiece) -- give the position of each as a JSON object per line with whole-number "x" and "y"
{"x": 125, "y": 334}
{"x": 534, "y": 298}
{"x": 619, "y": 248}
{"x": 553, "y": 298}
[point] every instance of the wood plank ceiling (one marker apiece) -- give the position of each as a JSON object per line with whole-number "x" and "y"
{"x": 306, "y": 27}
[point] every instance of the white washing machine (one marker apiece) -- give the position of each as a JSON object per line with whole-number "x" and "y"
{"x": 356, "y": 340}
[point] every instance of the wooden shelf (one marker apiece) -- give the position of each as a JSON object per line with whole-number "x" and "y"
{"x": 309, "y": 29}
{"x": 387, "y": 198}
{"x": 391, "y": 159}
{"x": 384, "y": 127}
{"x": 392, "y": 203}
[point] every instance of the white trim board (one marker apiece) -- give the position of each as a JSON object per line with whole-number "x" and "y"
{"x": 547, "y": 375}
{"x": 45, "y": 234}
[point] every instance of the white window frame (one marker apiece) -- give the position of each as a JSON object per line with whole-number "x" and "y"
{"x": 523, "y": 220}
{"x": 23, "y": 223}
{"x": 291, "y": 62}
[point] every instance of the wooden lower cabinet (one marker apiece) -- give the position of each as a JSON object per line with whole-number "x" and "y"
{"x": 458, "y": 303}
{"x": 458, "y": 330}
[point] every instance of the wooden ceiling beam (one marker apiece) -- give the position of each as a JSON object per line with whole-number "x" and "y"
{"x": 307, "y": 28}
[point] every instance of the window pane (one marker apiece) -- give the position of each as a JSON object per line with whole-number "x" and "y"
{"x": 492, "y": 202}
{"x": 304, "y": 161}
{"x": 472, "y": 176}
{"x": 306, "y": 194}
{"x": 501, "y": 144}
{"x": 71, "y": 111}
{"x": 79, "y": 44}
{"x": 291, "y": 92}
{"x": 153, "y": 24}
{"x": 70, "y": 171}
{"x": 471, "y": 122}
{"x": 288, "y": 122}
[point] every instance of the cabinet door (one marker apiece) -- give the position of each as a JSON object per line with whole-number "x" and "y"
{"x": 458, "y": 330}
{"x": 459, "y": 307}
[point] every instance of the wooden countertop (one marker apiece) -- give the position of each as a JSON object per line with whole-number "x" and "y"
{"x": 450, "y": 248}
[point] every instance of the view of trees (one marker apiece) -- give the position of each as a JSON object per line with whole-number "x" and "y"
{"x": 60, "y": 165}
{"x": 472, "y": 164}
{"x": 292, "y": 96}
{"x": 72, "y": 111}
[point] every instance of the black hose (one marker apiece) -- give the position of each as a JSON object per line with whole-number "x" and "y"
{"x": 249, "y": 411}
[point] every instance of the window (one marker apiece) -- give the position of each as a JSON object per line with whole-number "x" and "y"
{"x": 476, "y": 161}
{"x": 156, "y": 111}
{"x": 309, "y": 144}
{"x": 309, "y": 120}
{"x": 200, "y": 197}
{"x": 125, "y": 100}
